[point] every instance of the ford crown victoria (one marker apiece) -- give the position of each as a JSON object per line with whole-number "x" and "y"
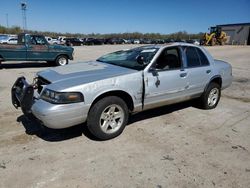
{"x": 104, "y": 92}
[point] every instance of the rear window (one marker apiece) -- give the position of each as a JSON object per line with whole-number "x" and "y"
{"x": 195, "y": 57}
{"x": 203, "y": 57}
{"x": 192, "y": 57}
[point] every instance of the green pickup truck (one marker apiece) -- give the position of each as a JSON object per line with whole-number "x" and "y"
{"x": 35, "y": 48}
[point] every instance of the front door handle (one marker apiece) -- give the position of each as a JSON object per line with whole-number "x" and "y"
{"x": 182, "y": 75}
{"x": 208, "y": 71}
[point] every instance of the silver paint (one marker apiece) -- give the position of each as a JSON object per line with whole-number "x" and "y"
{"x": 94, "y": 78}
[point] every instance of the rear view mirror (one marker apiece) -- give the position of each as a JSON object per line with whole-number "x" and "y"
{"x": 140, "y": 60}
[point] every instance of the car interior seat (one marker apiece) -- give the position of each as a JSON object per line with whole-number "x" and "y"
{"x": 168, "y": 61}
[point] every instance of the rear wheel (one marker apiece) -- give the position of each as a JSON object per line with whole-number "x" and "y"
{"x": 108, "y": 117}
{"x": 213, "y": 41}
{"x": 61, "y": 60}
{"x": 222, "y": 43}
{"x": 211, "y": 96}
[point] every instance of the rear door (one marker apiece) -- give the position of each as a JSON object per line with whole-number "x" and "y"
{"x": 165, "y": 82}
{"x": 198, "y": 70}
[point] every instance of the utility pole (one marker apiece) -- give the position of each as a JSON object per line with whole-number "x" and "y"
{"x": 24, "y": 8}
{"x": 7, "y": 20}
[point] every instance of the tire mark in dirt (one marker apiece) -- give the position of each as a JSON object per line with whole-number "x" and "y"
{"x": 234, "y": 120}
{"x": 242, "y": 99}
{"x": 18, "y": 139}
{"x": 241, "y": 85}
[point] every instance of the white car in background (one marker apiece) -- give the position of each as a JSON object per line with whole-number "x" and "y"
{"x": 62, "y": 40}
{"x": 136, "y": 41}
{"x": 52, "y": 40}
{"x": 12, "y": 41}
{"x": 6, "y": 39}
{"x": 196, "y": 42}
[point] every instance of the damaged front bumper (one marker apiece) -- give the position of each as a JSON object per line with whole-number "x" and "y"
{"x": 54, "y": 116}
{"x": 22, "y": 95}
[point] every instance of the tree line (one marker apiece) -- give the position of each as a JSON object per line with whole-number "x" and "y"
{"x": 126, "y": 35}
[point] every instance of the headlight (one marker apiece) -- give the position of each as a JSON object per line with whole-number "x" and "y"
{"x": 61, "y": 97}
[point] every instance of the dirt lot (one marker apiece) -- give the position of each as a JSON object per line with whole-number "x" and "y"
{"x": 174, "y": 146}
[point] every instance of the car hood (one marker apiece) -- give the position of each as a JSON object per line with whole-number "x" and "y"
{"x": 83, "y": 72}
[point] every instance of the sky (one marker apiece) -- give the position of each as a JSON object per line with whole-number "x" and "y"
{"x": 118, "y": 16}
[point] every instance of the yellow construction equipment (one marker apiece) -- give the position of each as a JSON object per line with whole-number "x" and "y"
{"x": 216, "y": 37}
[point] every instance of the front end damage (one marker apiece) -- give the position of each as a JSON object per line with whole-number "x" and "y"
{"x": 28, "y": 98}
{"x": 22, "y": 94}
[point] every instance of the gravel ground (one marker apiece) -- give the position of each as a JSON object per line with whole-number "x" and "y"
{"x": 173, "y": 146}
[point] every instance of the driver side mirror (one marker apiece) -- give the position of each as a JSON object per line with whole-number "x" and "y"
{"x": 153, "y": 70}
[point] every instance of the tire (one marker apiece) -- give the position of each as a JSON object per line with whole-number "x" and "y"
{"x": 211, "y": 96}
{"x": 108, "y": 118}
{"x": 61, "y": 60}
{"x": 213, "y": 41}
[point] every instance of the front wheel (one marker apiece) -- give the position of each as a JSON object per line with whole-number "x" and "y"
{"x": 211, "y": 96}
{"x": 108, "y": 118}
{"x": 61, "y": 60}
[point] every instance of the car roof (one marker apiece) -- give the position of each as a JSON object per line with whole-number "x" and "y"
{"x": 168, "y": 45}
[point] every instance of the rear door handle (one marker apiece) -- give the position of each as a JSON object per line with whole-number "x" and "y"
{"x": 208, "y": 71}
{"x": 183, "y": 74}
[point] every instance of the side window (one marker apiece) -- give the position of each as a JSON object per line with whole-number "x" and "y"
{"x": 40, "y": 40}
{"x": 203, "y": 57}
{"x": 32, "y": 40}
{"x": 192, "y": 57}
{"x": 169, "y": 59}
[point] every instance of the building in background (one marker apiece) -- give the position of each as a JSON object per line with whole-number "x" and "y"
{"x": 238, "y": 34}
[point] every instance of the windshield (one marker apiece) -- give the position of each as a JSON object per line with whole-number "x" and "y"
{"x": 128, "y": 58}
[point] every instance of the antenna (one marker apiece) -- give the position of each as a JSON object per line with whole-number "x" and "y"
{"x": 24, "y": 8}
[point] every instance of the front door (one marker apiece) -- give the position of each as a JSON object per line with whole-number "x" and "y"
{"x": 165, "y": 82}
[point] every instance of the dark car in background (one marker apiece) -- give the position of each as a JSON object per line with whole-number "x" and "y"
{"x": 146, "y": 41}
{"x": 169, "y": 40}
{"x": 93, "y": 41}
{"x": 73, "y": 42}
{"x": 180, "y": 40}
{"x": 193, "y": 41}
{"x": 115, "y": 41}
